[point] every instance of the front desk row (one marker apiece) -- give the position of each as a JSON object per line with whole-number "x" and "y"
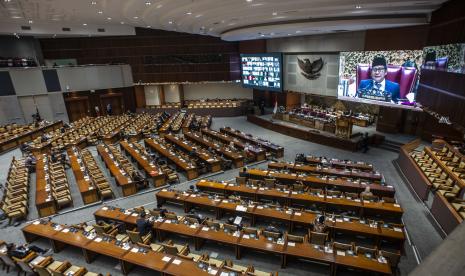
{"x": 112, "y": 237}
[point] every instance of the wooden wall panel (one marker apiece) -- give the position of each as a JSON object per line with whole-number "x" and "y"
{"x": 406, "y": 38}
{"x": 448, "y": 24}
{"x": 154, "y": 55}
{"x": 139, "y": 93}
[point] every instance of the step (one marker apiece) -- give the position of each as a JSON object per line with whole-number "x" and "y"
{"x": 389, "y": 148}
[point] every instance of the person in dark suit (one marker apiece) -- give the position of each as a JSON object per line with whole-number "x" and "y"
{"x": 143, "y": 226}
{"x": 378, "y": 87}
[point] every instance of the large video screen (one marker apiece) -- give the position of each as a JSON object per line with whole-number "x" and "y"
{"x": 380, "y": 77}
{"x": 262, "y": 71}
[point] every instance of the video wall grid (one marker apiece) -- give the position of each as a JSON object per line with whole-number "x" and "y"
{"x": 262, "y": 71}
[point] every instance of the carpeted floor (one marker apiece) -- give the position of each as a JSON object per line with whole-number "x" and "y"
{"x": 422, "y": 231}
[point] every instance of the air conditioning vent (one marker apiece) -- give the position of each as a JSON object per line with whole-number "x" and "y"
{"x": 66, "y": 29}
{"x": 101, "y": 30}
{"x": 26, "y": 28}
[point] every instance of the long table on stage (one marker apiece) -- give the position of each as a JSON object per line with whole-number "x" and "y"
{"x": 309, "y": 135}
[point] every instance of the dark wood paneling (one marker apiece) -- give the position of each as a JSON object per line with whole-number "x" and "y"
{"x": 82, "y": 103}
{"x": 448, "y": 24}
{"x": 252, "y": 46}
{"x": 139, "y": 92}
{"x": 154, "y": 55}
{"x": 390, "y": 119}
{"x": 406, "y": 38}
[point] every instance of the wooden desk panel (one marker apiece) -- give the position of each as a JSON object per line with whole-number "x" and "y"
{"x": 87, "y": 189}
{"x": 127, "y": 185}
{"x": 45, "y": 203}
{"x": 277, "y": 150}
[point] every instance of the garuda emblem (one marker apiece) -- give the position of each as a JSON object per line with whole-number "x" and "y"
{"x": 311, "y": 70}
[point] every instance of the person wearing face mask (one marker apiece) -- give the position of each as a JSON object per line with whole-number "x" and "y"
{"x": 378, "y": 87}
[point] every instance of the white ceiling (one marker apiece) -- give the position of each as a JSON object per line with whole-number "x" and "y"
{"x": 228, "y": 19}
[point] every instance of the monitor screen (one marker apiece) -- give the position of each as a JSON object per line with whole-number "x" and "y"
{"x": 380, "y": 77}
{"x": 262, "y": 71}
{"x": 444, "y": 57}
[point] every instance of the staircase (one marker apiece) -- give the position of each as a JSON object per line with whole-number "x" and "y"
{"x": 390, "y": 145}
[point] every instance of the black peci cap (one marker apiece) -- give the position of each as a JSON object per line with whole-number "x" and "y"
{"x": 379, "y": 60}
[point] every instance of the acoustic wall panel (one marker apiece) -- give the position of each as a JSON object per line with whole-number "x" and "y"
{"x": 51, "y": 80}
{"x": 6, "y": 85}
{"x": 10, "y": 110}
{"x": 28, "y": 81}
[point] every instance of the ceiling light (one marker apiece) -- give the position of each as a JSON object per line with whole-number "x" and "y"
{"x": 108, "y": 18}
{"x": 262, "y": 35}
{"x": 122, "y": 23}
{"x": 100, "y": 12}
{"x": 93, "y": 3}
{"x": 148, "y": 3}
{"x": 7, "y": 1}
{"x": 198, "y": 15}
{"x": 84, "y": 24}
{"x": 275, "y": 13}
{"x": 249, "y": 0}
{"x": 289, "y": 34}
{"x": 30, "y": 21}
{"x": 171, "y": 22}
{"x": 149, "y": 26}
{"x": 16, "y": 17}
{"x": 188, "y": 13}
{"x": 159, "y": 6}
{"x": 358, "y": 6}
{"x": 136, "y": 17}
{"x": 298, "y": 32}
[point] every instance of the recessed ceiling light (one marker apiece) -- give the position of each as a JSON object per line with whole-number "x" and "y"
{"x": 148, "y": 3}
{"x": 159, "y": 6}
{"x": 136, "y": 17}
{"x": 258, "y": 4}
{"x": 84, "y": 24}
{"x": 298, "y": 32}
{"x": 249, "y": 0}
{"x": 358, "y": 6}
{"x": 289, "y": 34}
{"x": 198, "y": 15}
{"x": 7, "y": 1}
{"x": 275, "y": 13}
{"x": 149, "y": 26}
{"x": 122, "y": 23}
{"x": 170, "y": 22}
{"x": 100, "y": 12}
{"x": 262, "y": 35}
{"x": 30, "y": 21}
{"x": 16, "y": 17}
{"x": 188, "y": 13}
{"x": 108, "y": 18}
{"x": 93, "y": 3}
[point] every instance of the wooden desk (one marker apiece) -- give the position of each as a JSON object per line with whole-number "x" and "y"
{"x": 340, "y": 163}
{"x": 277, "y": 150}
{"x": 45, "y": 202}
{"x": 127, "y": 185}
{"x": 87, "y": 189}
{"x": 236, "y": 158}
{"x": 259, "y": 154}
{"x": 212, "y": 161}
{"x": 221, "y": 206}
{"x": 151, "y": 170}
{"x": 322, "y": 182}
{"x": 191, "y": 170}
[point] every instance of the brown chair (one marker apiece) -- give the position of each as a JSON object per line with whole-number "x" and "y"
{"x": 135, "y": 237}
{"x": 393, "y": 259}
{"x": 317, "y": 238}
{"x": 361, "y": 250}
{"x": 241, "y": 180}
{"x": 294, "y": 238}
{"x": 388, "y": 199}
{"x": 338, "y": 246}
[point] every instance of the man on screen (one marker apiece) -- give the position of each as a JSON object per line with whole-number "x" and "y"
{"x": 378, "y": 87}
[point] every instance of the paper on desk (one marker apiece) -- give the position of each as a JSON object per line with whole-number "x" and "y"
{"x": 340, "y": 253}
{"x": 192, "y": 226}
{"x": 166, "y": 259}
{"x": 66, "y": 230}
{"x": 134, "y": 215}
{"x": 298, "y": 214}
{"x": 177, "y": 262}
{"x": 36, "y": 222}
{"x": 213, "y": 271}
{"x": 205, "y": 229}
{"x": 291, "y": 244}
{"x": 104, "y": 208}
{"x": 246, "y": 236}
{"x": 259, "y": 207}
{"x": 396, "y": 205}
{"x": 98, "y": 240}
{"x": 397, "y": 229}
{"x": 134, "y": 250}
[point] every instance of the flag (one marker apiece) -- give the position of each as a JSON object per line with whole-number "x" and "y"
{"x": 275, "y": 107}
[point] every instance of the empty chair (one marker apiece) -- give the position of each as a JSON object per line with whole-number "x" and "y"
{"x": 240, "y": 180}
{"x": 360, "y": 250}
{"x": 317, "y": 238}
{"x": 342, "y": 247}
{"x": 269, "y": 183}
{"x": 135, "y": 237}
{"x": 393, "y": 259}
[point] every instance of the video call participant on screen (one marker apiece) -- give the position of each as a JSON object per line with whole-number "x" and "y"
{"x": 378, "y": 87}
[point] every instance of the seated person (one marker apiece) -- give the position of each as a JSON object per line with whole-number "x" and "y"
{"x": 196, "y": 216}
{"x": 367, "y": 192}
{"x": 319, "y": 224}
{"x": 243, "y": 173}
{"x": 378, "y": 87}
{"x": 193, "y": 189}
{"x": 143, "y": 225}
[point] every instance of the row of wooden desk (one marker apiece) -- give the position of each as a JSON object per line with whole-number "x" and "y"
{"x": 150, "y": 169}
{"x": 290, "y": 216}
{"x": 339, "y": 163}
{"x": 45, "y": 203}
{"x": 290, "y": 198}
{"x": 128, "y": 256}
{"x": 122, "y": 180}
{"x": 190, "y": 169}
{"x": 236, "y": 158}
{"x": 28, "y": 136}
{"x": 322, "y": 182}
{"x": 276, "y": 149}
{"x": 89, "y": 192}
{"x": 349, "y": 173}
{"x": 260, "y": 154}
{"x": 243, "y": 242}
{"x": 212, "y": 161}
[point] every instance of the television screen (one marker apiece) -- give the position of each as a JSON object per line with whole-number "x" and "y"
{"x": 262, "y": 71}
{"x": 380, "y": 77}
{"x": 442, "y": 57}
